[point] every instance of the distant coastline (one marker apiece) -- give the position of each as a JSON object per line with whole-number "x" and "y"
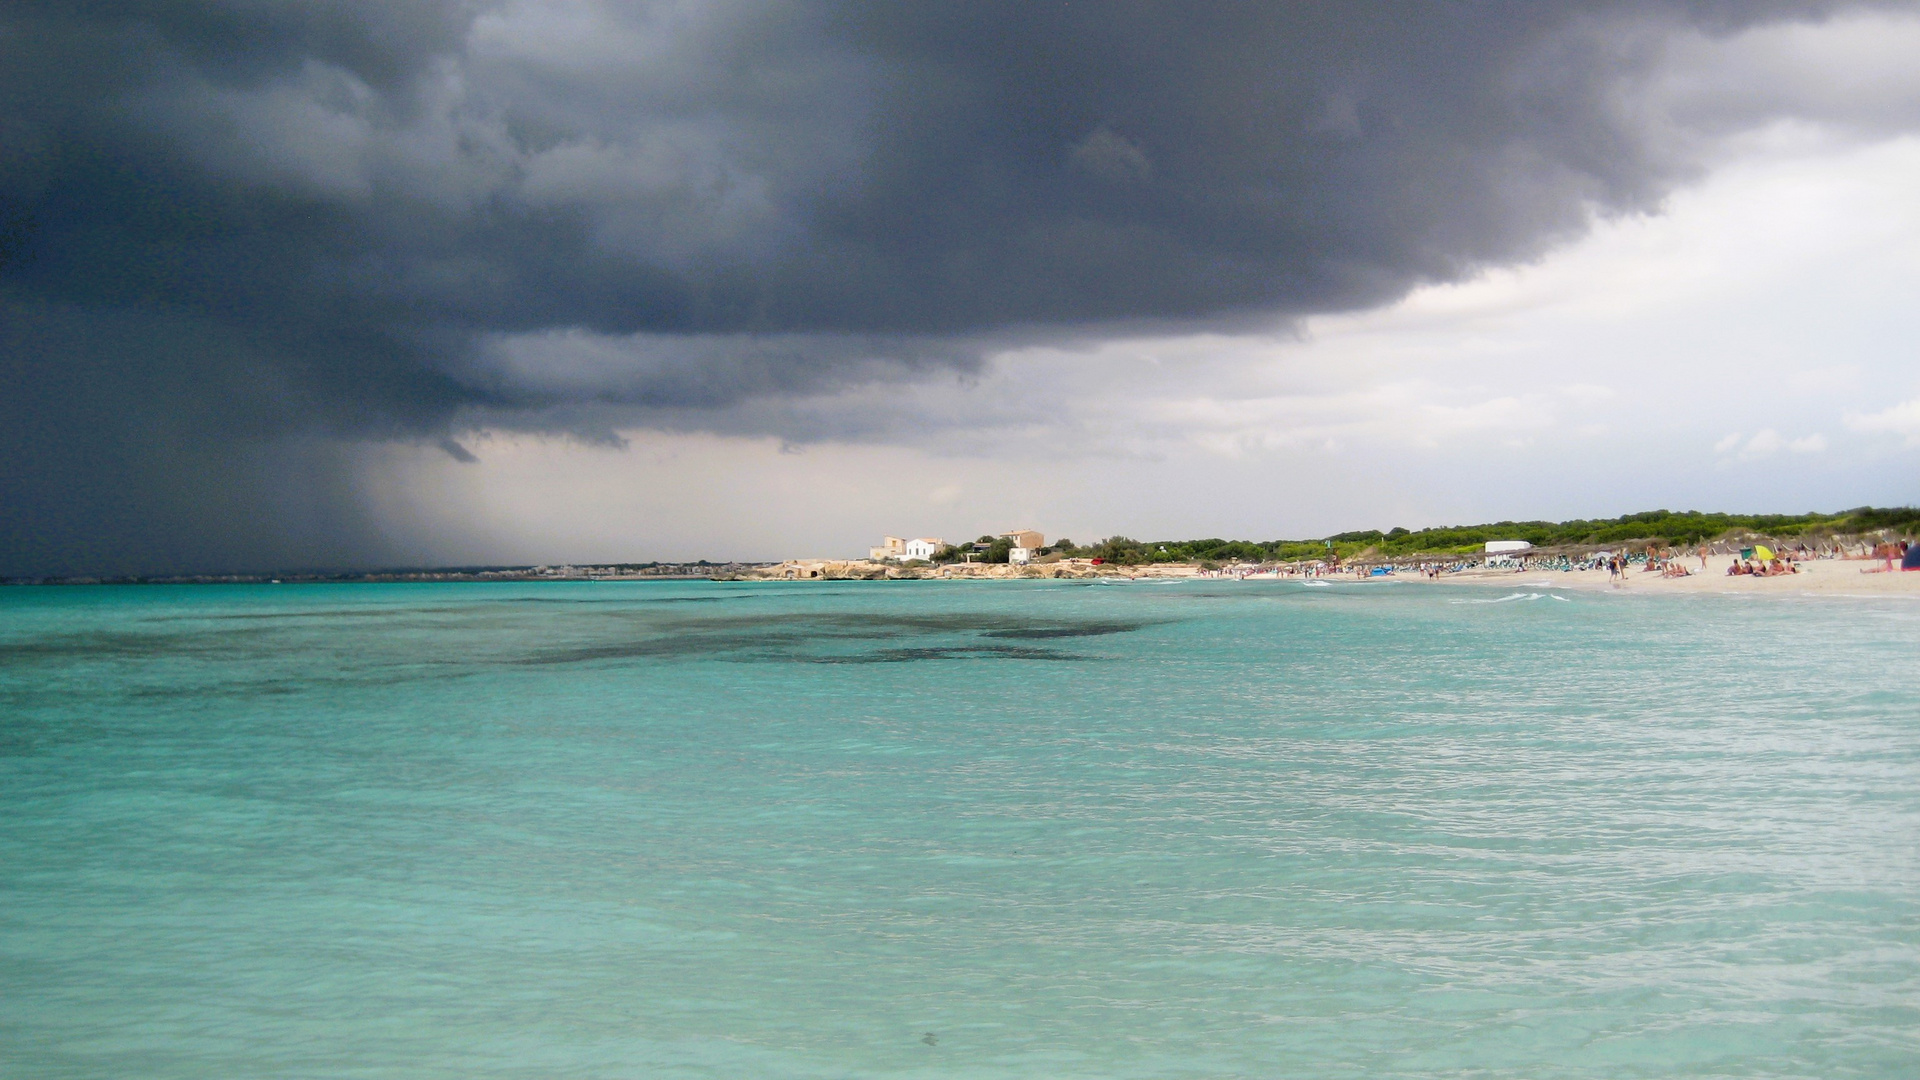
{"x": 656, "y": 571}
{"x": 1456, "y": 551}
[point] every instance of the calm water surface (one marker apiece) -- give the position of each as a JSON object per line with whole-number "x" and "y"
{"x": 955, "y": 830}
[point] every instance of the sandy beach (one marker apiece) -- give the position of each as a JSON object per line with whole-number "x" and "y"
{"x": 1825, "y": 577}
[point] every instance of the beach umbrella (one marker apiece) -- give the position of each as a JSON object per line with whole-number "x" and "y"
{"x": 1763, "y": 553}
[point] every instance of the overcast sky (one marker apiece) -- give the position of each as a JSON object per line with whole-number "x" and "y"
{"x": 352, "y": 284}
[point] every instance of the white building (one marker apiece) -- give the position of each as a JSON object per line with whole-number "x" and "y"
{"x": 1020, "y": 555}
{"x": 922, "y": 547}
{"x": 1507, "y": 547}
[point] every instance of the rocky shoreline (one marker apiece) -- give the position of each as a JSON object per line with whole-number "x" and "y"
{"x": 871, "y": 570}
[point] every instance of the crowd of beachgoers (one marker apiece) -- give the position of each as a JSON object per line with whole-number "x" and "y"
{"x": 1750, "y": 558}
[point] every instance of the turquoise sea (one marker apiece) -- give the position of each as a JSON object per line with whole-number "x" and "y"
{"x": 955, "y": 830}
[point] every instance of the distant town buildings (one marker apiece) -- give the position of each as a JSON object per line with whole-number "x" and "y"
{"x": 898, "y": 549}
{"x": 1025, "y": 545}
{"x": 894, "y": 547}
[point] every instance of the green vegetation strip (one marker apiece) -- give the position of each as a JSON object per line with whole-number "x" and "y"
{"x": 1663, "y": 527}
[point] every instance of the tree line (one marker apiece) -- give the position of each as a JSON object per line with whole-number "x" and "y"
{"x": 1662, "y": 527}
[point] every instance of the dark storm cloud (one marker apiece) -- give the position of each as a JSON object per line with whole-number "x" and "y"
{"x": 228, "y": 224}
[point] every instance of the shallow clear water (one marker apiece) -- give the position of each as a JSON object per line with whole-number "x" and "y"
{"x": 937, "y": 829}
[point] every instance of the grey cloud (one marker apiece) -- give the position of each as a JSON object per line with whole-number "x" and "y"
{"x": 699, "y": 371}
{"x": 224, "y": 224}
{"x": 458, "y": 452}
{"x": 1111, "y": 157}
{"x": 1856, "y": 78}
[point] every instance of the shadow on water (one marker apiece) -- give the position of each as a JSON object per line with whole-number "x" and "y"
{"x": 952, "y": 652}
{"x": 118, "y": 645}
{"x": 461, "y": 638}
{"x": 824, "y": 638}
{"x": 1092, "y": 629}
{"x": 385, "y": 611}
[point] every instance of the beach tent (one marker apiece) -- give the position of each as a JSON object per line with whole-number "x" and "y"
{"x": 1912, "y": 559}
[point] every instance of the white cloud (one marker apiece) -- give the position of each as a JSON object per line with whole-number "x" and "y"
{"x": 1902, "y": 419}
{"x": 1766, "y": 442}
